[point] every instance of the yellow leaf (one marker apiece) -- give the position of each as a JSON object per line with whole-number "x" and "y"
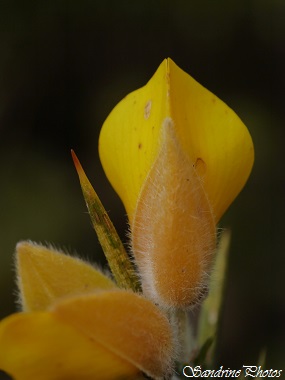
{"x": 45, "y": 275}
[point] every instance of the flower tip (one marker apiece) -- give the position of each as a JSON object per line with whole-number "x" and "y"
{"x": 26, "y": 248}
{"x": 46, "y": 275}
{"x": 22, "y": 246}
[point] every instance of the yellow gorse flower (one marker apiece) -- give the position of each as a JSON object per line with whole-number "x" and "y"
{"x": 77, "y": 324}
{"x": 177, "y": 156}
{"x": 210, "y": 133}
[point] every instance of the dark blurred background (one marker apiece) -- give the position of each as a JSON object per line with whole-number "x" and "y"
{"x": 64, "y": 65}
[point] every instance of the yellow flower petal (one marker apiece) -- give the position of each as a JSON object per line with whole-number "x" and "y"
{"x": 40, "y": 346}
{"x": 212, "y": 135}
{"x": 173, "y": 231}
{"x": 44, "y": 275}
{"x": 127, "y": 324}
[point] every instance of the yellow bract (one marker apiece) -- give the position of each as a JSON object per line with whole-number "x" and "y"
{"x": 214, "y": 138}
{"x": 45, "y": 275}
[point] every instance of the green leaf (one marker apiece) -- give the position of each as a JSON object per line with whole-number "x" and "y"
{"x": 201, "y": 358}
{"x": 210, "y": 310}
{"x": 118, "y": 259}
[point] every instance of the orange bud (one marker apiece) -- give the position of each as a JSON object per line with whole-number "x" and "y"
{"x": 173, "y": 230}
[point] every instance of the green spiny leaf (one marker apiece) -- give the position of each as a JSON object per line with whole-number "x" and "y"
{"x": 118, "y": 259}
